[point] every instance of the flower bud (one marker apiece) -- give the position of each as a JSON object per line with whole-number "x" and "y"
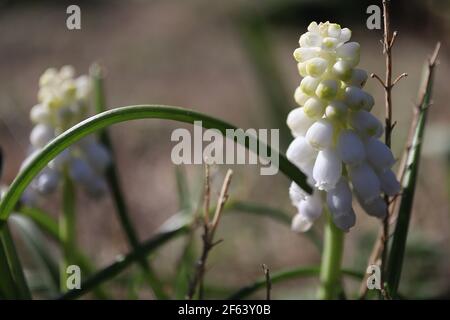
{"x": 327, "y": 169}
{"x": 300, "y": 223}
{"x": 309, "y": 85}
{"x": 389, "y": 183}
{"x": 366, "y": 124}
{"x": 40, "y": 114}
{"x": 327, "y": 89}
{"x": 375, "y": 208}
{"x": 300, "y": 151}
{"x": 310, "y": 40}
{"x": 303, "y": 54}
{"x": 349, "y": 52}
{"x": 358, "y": 78}
{"x": 336, "y": 110}
{"x": 300, "y": 97}
{"x": 344, "y": 221}
{"x": 320, "y": 134}
{"x": 365, "y": 182}
{"x": 314, "y": 108}
{"x": 339, "y": 199}
{"x": 315, "y": 67}
{"x": 378, "y": 154}
{"x": 350, "y": 148}
{"x": 296, "y": 194}
{"x": 47, "y": 181}
{"x": 342, "y": 69}
{"x": 97, "y": 155}
{"x": 311, "y": 207}
{"x": 299, "y": 122}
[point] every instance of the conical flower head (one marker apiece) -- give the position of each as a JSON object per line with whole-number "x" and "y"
{"x": 336, "y": 137}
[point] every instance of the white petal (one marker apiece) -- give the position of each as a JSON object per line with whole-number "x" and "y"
{"x": 334, "y": 30}
{"x": 299, "y": 122}
{"x": 303, "y": 54}
{"x": 376, "y": 208}
{"x": 345, "y": 35}
{"x": 41, "y": 135}
{"x": 350, "y": 52}
{"x": 300, "y": 223}
{"x": 389, "y": 183}
{"x": 311, "y": 207}
{"x": 358, "y": 78}
{"x": 296, "y": 194}
{"x": 366, "y": 124}
{"x": 342, "y": 69}
{"x": 354, "y": 97}
{"x": 339, "y": 199}
{"x": 310, "y": 39}
{"x": 300, "y": 97}
{"x": 300, "y": 151}
{"x": 327, "y": 169}
{"x": 320, "y": 134}
{"x": 365, "y": 182}
{"x": 345, "y": 220}
{"x": 378, "y": 154}
{"x": 350, "y": 148}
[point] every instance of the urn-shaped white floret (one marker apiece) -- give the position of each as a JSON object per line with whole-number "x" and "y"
{"x": 300, "y": 151}
{"x": 327, "y": 169}
{"x": 296, "y": 194}
{"x": 378, "y": 154}
{"x": 366, "y": 124}
{"x": 299, "y": 122}
{"x": 300, "y": 223}
{"x": 315, "y": 67}
{"x": 344, "y": 221}
{"x": 376, "y": 208}
{"x": 350, "y": 148}
{"x": 339, "y": 199}
{"x": 365, "y": 182}
{"x": 309, "y": 85}
{"x": 389, "y": 182}
{"x": 311, "y": 207}
{"x": 320, "y": 134}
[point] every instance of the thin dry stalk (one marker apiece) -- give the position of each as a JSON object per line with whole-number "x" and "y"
{"x": 376, "y": 252}
{"x": 379, "y": 253}
{"x": 268, "y": 280}
{"x": 209, "y": 229}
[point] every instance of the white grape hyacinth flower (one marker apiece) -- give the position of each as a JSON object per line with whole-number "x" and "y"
{"x": 65, "y": 100}
{"x": 336, "y": 137}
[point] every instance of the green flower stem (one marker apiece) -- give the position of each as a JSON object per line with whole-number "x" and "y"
{"x": 67, "y": 229}
{"x": 13, "y": 284}
{"x": 330, "y": 269}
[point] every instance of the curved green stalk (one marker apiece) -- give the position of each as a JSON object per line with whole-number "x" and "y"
{"x": 104, "y": 119}
{"x": 330, "y": 268}
{"x": 285, "y": 275}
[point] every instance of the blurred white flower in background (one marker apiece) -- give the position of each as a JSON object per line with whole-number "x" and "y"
{"x": 63, "y": 102}
{"x": 336, "y": 137}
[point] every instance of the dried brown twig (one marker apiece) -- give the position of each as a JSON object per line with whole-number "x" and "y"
{"x": 379, "y": 253}
{"x": 209, "y": 229}
{"x": 418, "y": 108}
{"x": 268, "y": 280}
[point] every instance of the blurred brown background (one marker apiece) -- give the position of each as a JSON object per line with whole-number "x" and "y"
{"x": 233, "y": 60}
